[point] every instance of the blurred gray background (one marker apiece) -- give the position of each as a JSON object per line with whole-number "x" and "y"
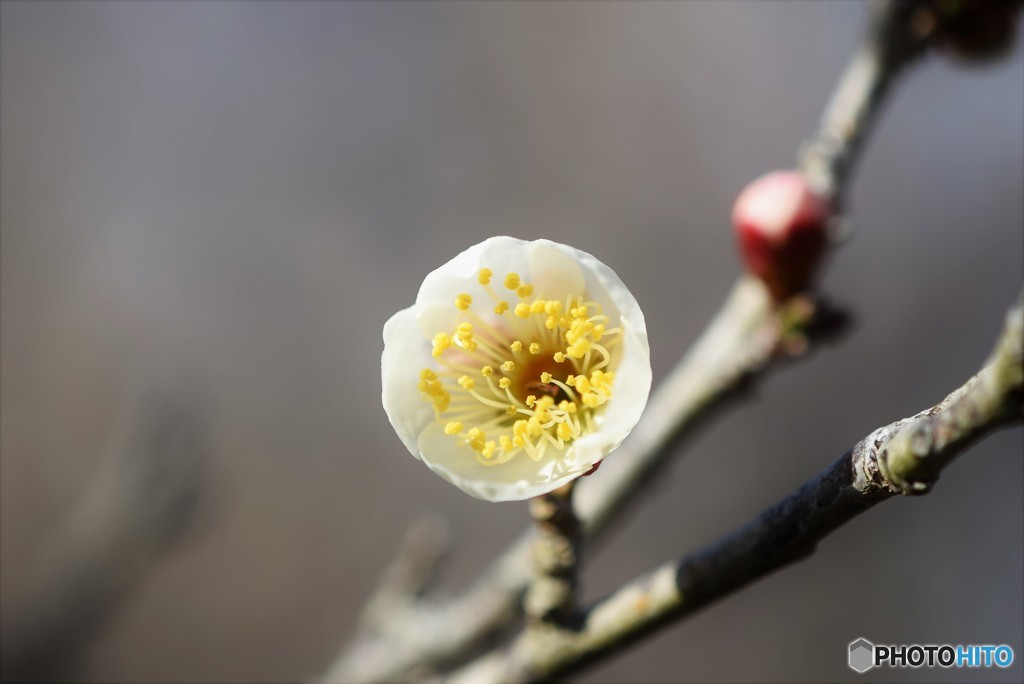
{"x": 242, "y": 193}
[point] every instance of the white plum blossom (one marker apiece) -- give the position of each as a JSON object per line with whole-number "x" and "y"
{"x": 520, "y": 366}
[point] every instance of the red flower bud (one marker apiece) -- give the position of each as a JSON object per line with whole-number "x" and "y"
{"x": 780, "y": 224}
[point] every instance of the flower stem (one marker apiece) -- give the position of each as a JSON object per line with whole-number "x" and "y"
{"x": 551, "y": 597}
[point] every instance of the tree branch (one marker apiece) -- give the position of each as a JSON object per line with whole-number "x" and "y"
{"x": 895, "y": 459}
{"x": 744, "y": 340}
{"x": 892, "y": 42}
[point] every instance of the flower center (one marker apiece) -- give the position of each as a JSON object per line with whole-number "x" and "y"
{"x": 524, "y": 375}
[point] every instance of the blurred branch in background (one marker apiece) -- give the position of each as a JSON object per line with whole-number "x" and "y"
{"x": 143, "y": 499}
{"x": 903, "y": 457}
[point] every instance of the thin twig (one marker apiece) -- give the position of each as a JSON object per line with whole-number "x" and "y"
{"x": 788, "y": 531}
{"x": 892, "y": 42}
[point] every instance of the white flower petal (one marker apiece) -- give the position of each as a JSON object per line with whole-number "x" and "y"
{"x": 404, "y": 354}
{"x": 521, "y": 478}
{"x": 473, "y": 409}
{"x": 554, "y": 270}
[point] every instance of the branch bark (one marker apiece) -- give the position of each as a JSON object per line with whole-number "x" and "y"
{"x": 904, "y": 457}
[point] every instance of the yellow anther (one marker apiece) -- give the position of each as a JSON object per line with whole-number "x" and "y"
{"x": 559, "y": 357}
{"x": 537, "y": 306}
{"x": 506, "y": 443}
{"x": 488, "y": 450}
{"x": 511, "y": 410}
{"x": 591, "y": 399}
{"x": 581, "y": 312}
{"x": 598, "y": 332}
{"x": 427, "y": 374}
{"x": 551, "y": 323}
{"x": 441, "y": 342}
{"x": 519, "y": 432}
{"x": 464, "y": 332}
{"x": 571, "y": 408}
{"x": 453, "y": 428}
{"x": 564, "y": 432}
{"x": 531, "y": 400}
{"x": 466, "y": 382}
{"x": 524, "y": 290}
{"x": 475, "y": 439}
{"x": 508, "y": 366}
{"x": 484, "y": 276}
{"x": 462, "y": 302}
{"x": 516, "y": 346}
{"x": 504, "y": 383}
{"x": 534, "y": 348}
{"x": 571, "y": 380}
{"x": 512, "y": 281}
{"x": 522, "y": 310}
{"x": 582, "y": 383}
{"x": 579, "y": 348}
{"x": 552, "y": 307}
{"x": 533, "y": 426}
{"x": 545, "y": 377}
{"x": 486, "y": 371}
{"x": 501, "y": 308}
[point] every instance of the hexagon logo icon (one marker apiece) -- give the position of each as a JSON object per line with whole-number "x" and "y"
{"x": 862, "y": 655}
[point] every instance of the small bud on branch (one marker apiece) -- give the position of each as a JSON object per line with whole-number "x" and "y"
{"x": 781, "y": 226}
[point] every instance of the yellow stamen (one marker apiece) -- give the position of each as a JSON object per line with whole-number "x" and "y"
{"x": 549, "y": 420}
